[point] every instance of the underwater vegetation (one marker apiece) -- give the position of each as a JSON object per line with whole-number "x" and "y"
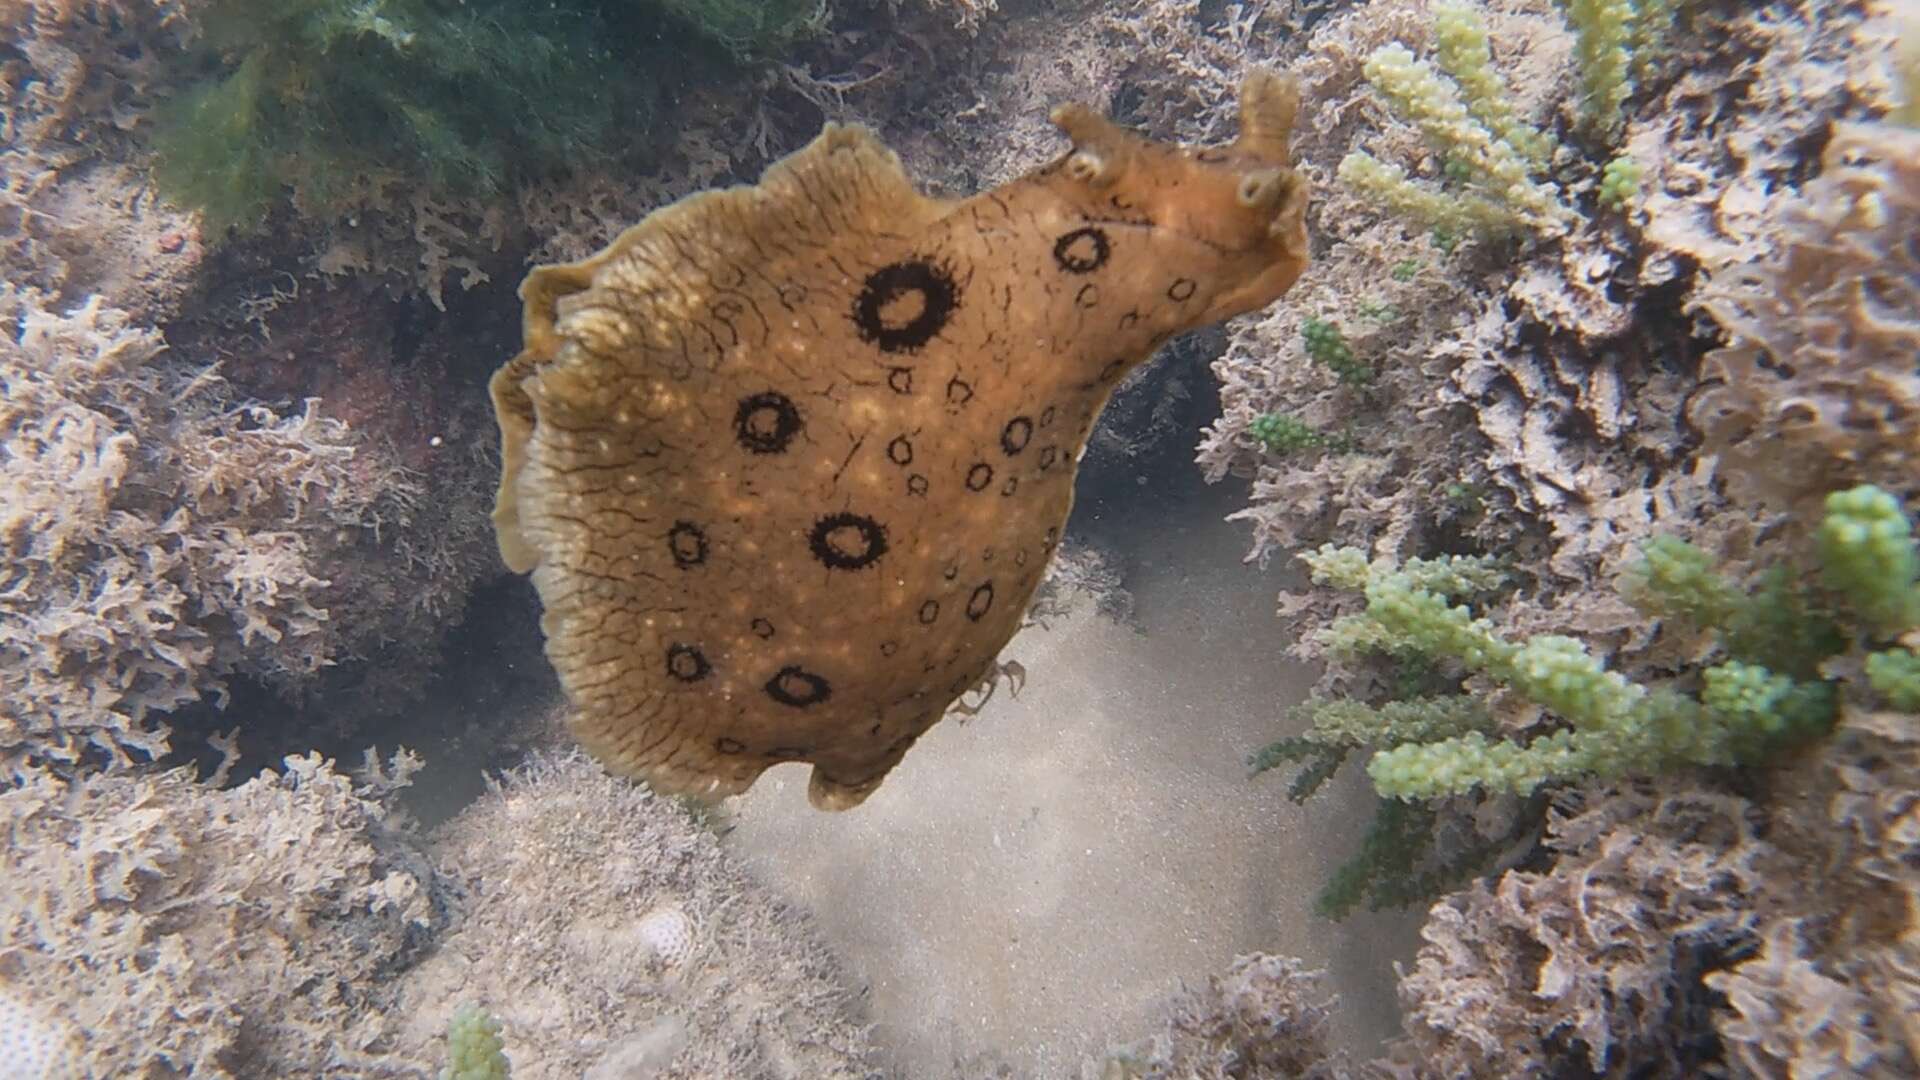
{"x": 474, "y": 1047}
{"x": 1755, "y": 915}
{"x": 1496, "y": 166}
{"x": 1766, "y": 694}
{"x": 1460, "y": 710}
{"x": 328, "y": 97}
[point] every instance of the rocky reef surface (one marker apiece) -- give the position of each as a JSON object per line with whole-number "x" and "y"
{"x": 1664, "y": 285}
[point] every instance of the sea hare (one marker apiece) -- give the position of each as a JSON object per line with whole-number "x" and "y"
{"x": 787, "y": 461}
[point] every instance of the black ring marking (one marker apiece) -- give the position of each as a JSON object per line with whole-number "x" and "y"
{"x": 766, "y": 422}
{"x": 981, "y": 601}
{"x": 1014, "y": 437}
{"x": 938, "y": 297}
{"x": 900, "y": 380}
{"x": 1008, "y": 488}
{"x": 1129, "y": 319}
{"x": 979, "y": 476}
{"x": 1047, "y": 456}
{"x": 900, "y": 451}
{"x": 929, "y": 611}
{"x": 1182, "y": 289}
{"x": 916, "y": 484}
{"x": 687, "y": 663}
{"x": 794, "y": 685}
{"x": 986, "y": 555}
{"x": 846, "y": 541}
{"x": 952, "y": 571}
{"x": 762, "y": 629}
{"x": 1053, "y": 533}
{"x": 1088, "y": 296}
{"x": 1082, "y": 251}
{"x": 1046, "y": 416}
{"x": 1113, "y": 369}
{"x": 687, "y": 543}
{"x": 728, "y": 746}
{"x": 888, "y": 648}
{"x": 959, "y": 392}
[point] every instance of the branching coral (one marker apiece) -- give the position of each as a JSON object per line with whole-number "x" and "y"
{"x": 1266, "y": 1016}
{"x": 560, "y": 866}
{"x": 214, "y": 933}
{"x": 1283, "y": 434}
{"x": 159, "y": 537}
{"x": 1327, "y": 346}
{"x": 77, "y": 218}
{"x": 1603, "y": 30}
{"x": 1594, "y": 960}
{"x": 1833, "y": 987}
{"x": 1556, "y": 379}
{"x": 1467, "y": 114}
{"x": 474, "y": 1048}
{"x": 1668, "y": 938}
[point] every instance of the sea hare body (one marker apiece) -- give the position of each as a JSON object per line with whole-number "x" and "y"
{"x": 787, "y": 461}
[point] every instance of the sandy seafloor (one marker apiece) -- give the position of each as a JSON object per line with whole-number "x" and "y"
{"x": 1032, "y": 884}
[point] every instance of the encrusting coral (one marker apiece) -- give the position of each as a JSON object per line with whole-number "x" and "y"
{"x": 1680, "y": 930}
{"x": 1537, "y": 397}
{"x": 33, "y": 1044}
{"x": 1834, "y": 988}
{"x": 1522, "y": 399}
{"x": 1552, "y": 378}
{"x": 1770, "y": 674}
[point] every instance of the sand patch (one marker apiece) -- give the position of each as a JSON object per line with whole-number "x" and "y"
{"x": 1032, "y": 884}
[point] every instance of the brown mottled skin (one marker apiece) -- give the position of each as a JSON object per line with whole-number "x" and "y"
{"x": 787, "y": 461}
